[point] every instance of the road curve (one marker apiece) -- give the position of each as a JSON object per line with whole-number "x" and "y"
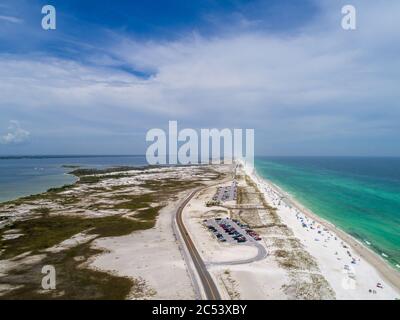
{"x": 209, "y": 286}
{"x": 261, "y": 254}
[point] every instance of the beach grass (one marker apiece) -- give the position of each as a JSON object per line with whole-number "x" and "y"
{"x": 45, "y": 232}
{"x": 72, "y": 281}
{"x": 49, "y": 225}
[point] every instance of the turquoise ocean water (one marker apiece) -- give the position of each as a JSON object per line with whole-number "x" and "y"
{"x": 359, "y": 195}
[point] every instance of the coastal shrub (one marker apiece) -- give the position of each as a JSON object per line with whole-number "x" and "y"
{"x": 148, "y": 213}
{"x": 58, "y": 190}
{"x": 73, "y": 282}
{"x": 45, "y": 232}
{"x": 212, "y": 203}
{"x": 42, "y": 210}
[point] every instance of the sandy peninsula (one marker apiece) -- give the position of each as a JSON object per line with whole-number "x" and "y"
{"x": 363, "y": 273}
{"x": 307, "y": 258}
{"x": 113, "y": 235}
{"x": 109, "y": 236}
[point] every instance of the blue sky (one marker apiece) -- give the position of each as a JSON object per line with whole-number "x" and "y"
{"x": 114, "y": 69}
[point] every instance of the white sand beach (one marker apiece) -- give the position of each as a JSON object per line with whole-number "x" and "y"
{"x": 353, "y": 270}
{"x": 298, "y": 255}
{"x": 327, "y": 263}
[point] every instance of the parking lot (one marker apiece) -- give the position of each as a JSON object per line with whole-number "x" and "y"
{"x": 228, "y": 193}
{"x": 231, "y": 230}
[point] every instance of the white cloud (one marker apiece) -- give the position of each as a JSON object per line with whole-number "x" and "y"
{"x": 320, "y": 81}
{"x": 15, "y": 134}
{"x": 11, "y": 19}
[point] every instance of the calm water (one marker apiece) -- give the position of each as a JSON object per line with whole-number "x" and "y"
{"x": 360, "y": 195}
{"x": 22, "y": 176}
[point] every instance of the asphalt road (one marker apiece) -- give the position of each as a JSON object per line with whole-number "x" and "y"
{"x": 209, "y": 286}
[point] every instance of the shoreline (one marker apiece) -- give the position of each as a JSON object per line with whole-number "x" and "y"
{"x": 65, "y": 182}
{"x": 30, "y": 175}
{"x": 74, "y": 172}
{"x": 269, "y": 276}
{"x": 384, "y": 268}
{"x": 112, "y": 228}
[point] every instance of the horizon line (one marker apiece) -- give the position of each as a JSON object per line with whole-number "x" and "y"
{"x": 143, "y": 155}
